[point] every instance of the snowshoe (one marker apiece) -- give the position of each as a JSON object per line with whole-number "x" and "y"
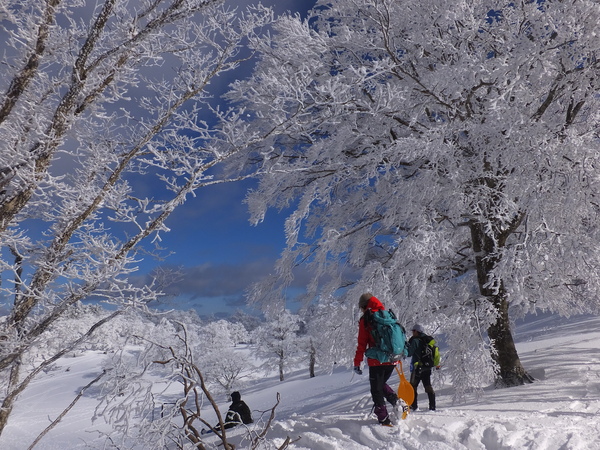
{"x": 401, "y": 410}
{"x": 387, "y": 422}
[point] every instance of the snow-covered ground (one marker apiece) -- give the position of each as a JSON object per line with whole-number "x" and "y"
{"x": 559, "y": 411}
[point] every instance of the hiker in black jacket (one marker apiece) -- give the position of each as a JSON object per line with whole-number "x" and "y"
{"x": 238, "y": 413}
{"x": 419, "y": 374}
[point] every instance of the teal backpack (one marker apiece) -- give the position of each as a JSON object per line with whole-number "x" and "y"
{"x": 389, "y": 335}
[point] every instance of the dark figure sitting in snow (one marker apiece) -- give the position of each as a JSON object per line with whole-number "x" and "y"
{"x": 238, "y": 413}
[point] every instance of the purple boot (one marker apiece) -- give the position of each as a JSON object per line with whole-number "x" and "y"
{"x": 382, "y": 415}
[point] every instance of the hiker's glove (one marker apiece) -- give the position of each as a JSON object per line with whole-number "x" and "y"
{"x": 357, "y": 370}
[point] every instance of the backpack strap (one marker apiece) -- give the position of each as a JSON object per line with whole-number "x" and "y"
{"x": 423, "y": 340}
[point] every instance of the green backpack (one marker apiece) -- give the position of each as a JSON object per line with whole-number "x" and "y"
{"x": 428, "y": 353}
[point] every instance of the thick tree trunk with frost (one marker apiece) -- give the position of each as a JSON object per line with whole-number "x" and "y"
{"x": 510, "y": 369}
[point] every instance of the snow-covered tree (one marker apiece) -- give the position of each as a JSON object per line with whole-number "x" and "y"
{"x": 238, "y": 332}
{"x": 225, "y": 369}
{"x": 331, "y": 327}
{"x": 155, "y": 393}
{"x": 248, "y": 321}
{"x": 140, "y": 396}
{"x": 104, "y": 131}
{"x": 447, "y": 155}
{"x": 276, "y": 340}
{"x": 222, "y": 364}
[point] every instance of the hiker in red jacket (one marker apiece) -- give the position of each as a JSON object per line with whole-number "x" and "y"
{"x": 379, "y": 372}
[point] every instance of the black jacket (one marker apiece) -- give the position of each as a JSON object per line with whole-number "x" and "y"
{"x": 414, "y": 349}
{"x": 238, "y": 413}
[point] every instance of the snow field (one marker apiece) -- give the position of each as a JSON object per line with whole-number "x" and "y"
{"x": 330, "y": 412}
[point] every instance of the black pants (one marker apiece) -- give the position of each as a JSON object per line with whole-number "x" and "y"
{"x": 378, "y": 376}
{"x": 423, "y": 376}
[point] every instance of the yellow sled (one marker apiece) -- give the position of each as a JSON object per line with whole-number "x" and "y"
{"x": 405, "y": 391}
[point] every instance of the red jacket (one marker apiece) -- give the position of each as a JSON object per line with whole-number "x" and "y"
{"x": 365, "y": 339}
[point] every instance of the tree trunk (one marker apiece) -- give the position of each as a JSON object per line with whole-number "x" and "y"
{"x": 281, "y": 377}
{"x": 12, "y": 392}
{"x": 512, "y": 372}
{"x": 312, "y": 360}
{"x": 510, "y": 369}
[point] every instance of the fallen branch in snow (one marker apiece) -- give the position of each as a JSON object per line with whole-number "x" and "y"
{"x": 65, "y": 411}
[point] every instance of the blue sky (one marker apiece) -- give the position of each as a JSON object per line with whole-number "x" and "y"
{"x": 219, "y": 252}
